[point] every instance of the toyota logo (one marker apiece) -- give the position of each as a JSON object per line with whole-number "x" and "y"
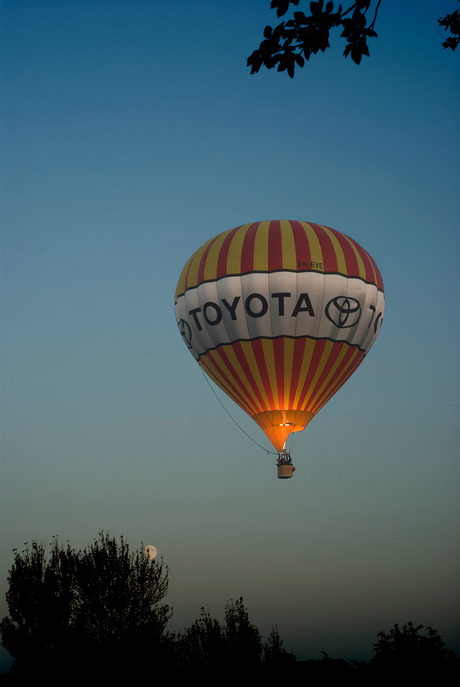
{"x": 186, "y": 332}
{"x": 343, "y": 311}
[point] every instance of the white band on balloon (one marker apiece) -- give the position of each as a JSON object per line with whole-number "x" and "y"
{"x": 291, "y": 304}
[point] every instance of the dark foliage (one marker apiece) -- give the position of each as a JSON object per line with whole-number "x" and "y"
{"x": 243, "y": 639}
{"x": 410, "y": 654}
{"x": 451, "y": 22}
{"x": 201, "y": 646}
{"x": 292, "y": 42}
{"x": 236, "y": 647}
{"x": 95, "y": 614}
{"x": 40, "y": 602}
{"x": 405, "y": 656}
{"x": 274, "y": 652}
{"x": 71, "y": 610}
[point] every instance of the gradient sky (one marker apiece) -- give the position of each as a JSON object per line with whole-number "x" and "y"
{"x": 132, "y": 132}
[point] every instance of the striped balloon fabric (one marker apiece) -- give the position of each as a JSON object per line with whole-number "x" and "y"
{"x": 280, "y": 314}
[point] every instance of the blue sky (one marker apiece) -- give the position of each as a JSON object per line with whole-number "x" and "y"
{"x": 132, "y": 132}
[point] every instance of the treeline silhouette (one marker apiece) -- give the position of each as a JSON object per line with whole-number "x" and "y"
{"x": 96, "y": 613}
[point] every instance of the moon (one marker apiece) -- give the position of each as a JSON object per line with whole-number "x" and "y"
{"x": 150, "y": 552}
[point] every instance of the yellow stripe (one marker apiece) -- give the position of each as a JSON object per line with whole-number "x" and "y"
{"x": 261, "y": 248}
{"x": 216, "y": 369}
{"x": 288, "y": 244}
{"x": 314, "y": 244}
{"x": 288, "y": 363}
{"x": 339, "y": 382}
{"x": 248, "y": 352}
{"x": 242, "y": 377}
{"x": 331, "y": 373}
{"x": 362, "y": 269}
{"x": 181, "y": 283}
{"x": 212, "y": 371}
{"x": 319, "y": 370}
{"x": 269, "y": 357}
{"x": 373, "y": 267}
{"x": 210, "y": 268}
{"x": 308, "y": 352}
{"x": 195, "y": 266}
{"x": 341, "y": 262}
{"x": 219, "y": 362}
{"x": 235, "y": 250}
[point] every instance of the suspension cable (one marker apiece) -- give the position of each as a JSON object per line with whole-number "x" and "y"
{"x": 233, "y": 419}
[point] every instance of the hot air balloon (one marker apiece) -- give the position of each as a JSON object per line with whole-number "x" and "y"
{"x": 280, "y": 314}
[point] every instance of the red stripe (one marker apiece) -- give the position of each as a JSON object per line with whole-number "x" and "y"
{"x": 333, "y": 355}
{"x": 334, "y": 384}
{"x": 299, "y": 353}
{"x": 234, "y": 393}
{"x": 275, "y": 247}
{"x": 315, "y": 360}
{"x": 238, "y": 349}
{"x": 351, "y": 260}
{"x": 247, "y": 251}
{"x": 302, "y": 246}
{"x": 223, "y": 254}
{"x": 327, "y": 248}
{"x": 244, "y": 395}
{"x": 204, "y": 257}
{"x": 367, "y": 261}
{"x": 372, "y": 275}
{"x": 379, "y": 276}
{"x": 358, "y": 360}
{"x": 186, "y": 277}
{"x": 278, "y": 350}
{"x": 259, "y": 355}
{"x": 377, "y": 279}
{"x": 338, "y": 385}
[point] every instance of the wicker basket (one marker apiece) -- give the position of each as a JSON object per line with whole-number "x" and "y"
{"x": 285, "y": 471}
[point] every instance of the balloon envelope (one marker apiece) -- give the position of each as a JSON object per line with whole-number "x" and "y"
{"x": 280, "y": 314}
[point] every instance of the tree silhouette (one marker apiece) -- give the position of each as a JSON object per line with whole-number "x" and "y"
{"x": 234, "y": 648}
{"x": 40, "y": 601}
{"x": 202, "y": 646}
{"x": 406, "y": 656}
{"x": 243, "y": 638}
{"x": 96, "y": 613}
{"x": 274, "y": 652}
{"x": 93, "y": 603}
{"x": 292, "y": 42}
